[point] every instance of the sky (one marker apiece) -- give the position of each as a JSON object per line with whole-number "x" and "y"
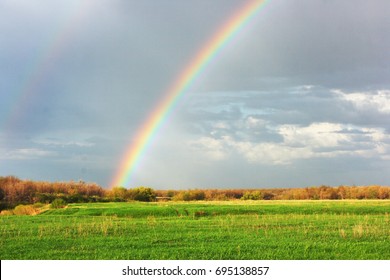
{"x": 299, "y": 97}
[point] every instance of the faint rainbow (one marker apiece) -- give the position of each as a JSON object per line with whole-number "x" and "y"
{"x": 145, "y": 135}
{"x": 38, "y": 70}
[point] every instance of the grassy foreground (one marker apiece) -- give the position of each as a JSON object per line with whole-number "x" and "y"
{"x": 202, "y": 230}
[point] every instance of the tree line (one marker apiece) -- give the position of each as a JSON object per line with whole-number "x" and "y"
{"x": 307, "y": 193}
{"x": 14, "y": 191}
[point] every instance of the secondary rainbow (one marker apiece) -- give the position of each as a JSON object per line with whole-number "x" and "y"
{"x": 38, "y": 70}
{"x": 208, "y": 53}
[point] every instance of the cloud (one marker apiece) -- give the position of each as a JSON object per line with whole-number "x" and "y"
{"x": 286, "y": 49}
{"x": 27, "y": 154}
{"x": 289, "y": 105}
{"x": 378, "y": 101}
{"x": 290, "y": 124}
{"x": 316, "y": 135}
{"x": 318, "y": 140}
{"x": 210, "y": 148}
{"x": 62, "y": 143}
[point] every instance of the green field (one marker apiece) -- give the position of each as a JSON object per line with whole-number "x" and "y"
{"x": 202, "y": 230}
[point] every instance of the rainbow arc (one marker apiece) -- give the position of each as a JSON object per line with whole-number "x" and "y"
{"x": 185, "y": 79}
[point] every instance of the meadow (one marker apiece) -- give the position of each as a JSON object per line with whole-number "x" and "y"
{"x": 281, "y": 230}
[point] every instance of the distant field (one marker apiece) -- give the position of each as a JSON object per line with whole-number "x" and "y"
{"x": 202, "y": 230}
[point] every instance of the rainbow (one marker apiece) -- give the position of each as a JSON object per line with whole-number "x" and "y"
{"x": 159, "y": 115}
{"x": 39, "y": 68}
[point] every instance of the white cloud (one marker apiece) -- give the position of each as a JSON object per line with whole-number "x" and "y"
{"x": 210, "y": 148}
{"x": 27, "y": 153}
{"x": 252, "y": 122}
{"x": 270, "y": 153}
{"x": 317, "y": 140}
{"x": 377, "y": 101}
{"x": 58, "y": 143}
{"x": 315, "y": 135}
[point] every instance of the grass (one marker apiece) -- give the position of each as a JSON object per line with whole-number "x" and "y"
{"x": 202, "y": 230}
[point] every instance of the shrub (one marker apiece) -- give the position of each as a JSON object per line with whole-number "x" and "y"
{"x": 45, "y": 197}
{"x": 190, "y": 195}
{"x": 58, "y": 203}
{"x": 170, "y": 193}
{"x": 268, "y": 196}
{"x": 6, "y": 213}
{"x": 182, "y": 196}
{"x": 118, "y": 194}
{"x": 143, "y": 194}
{"x": 255, "y": 195}
{"x": 197, "y": 195}
{"x": 38, "y": 205}
{"x": 25, "y": 210}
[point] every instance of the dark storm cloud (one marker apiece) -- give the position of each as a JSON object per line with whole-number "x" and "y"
{"x": 330, "y": 43}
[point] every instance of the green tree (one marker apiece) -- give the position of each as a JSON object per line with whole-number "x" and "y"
{"x": 58, "y": 203}
{"x": 252, "y": 195}
{"x": 143, "y": 194}
{"x": 118, "y": 194}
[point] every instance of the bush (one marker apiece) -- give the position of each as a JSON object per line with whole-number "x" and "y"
{"x": 6, "y": 213}
{"x": 254, "y": 195}
{"x": 268, "y": 196}
{"x": 38, "y": 205}
{"x": 182, "y": 196}
{"x": 197, "y": 195}
{"x": 143, "y": 194}
{"x": 45, "y": 197}
{"x": 58, "y": 203}
{"x": 118, "y": 194}
{"x": 190, "y": 195}
{"x": 25, "y": 210}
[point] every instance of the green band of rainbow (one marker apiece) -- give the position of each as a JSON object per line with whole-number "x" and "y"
{"x": 159, "y": 115}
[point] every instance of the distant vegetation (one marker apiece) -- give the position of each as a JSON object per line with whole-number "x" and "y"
{"x": 14, "y": 191}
